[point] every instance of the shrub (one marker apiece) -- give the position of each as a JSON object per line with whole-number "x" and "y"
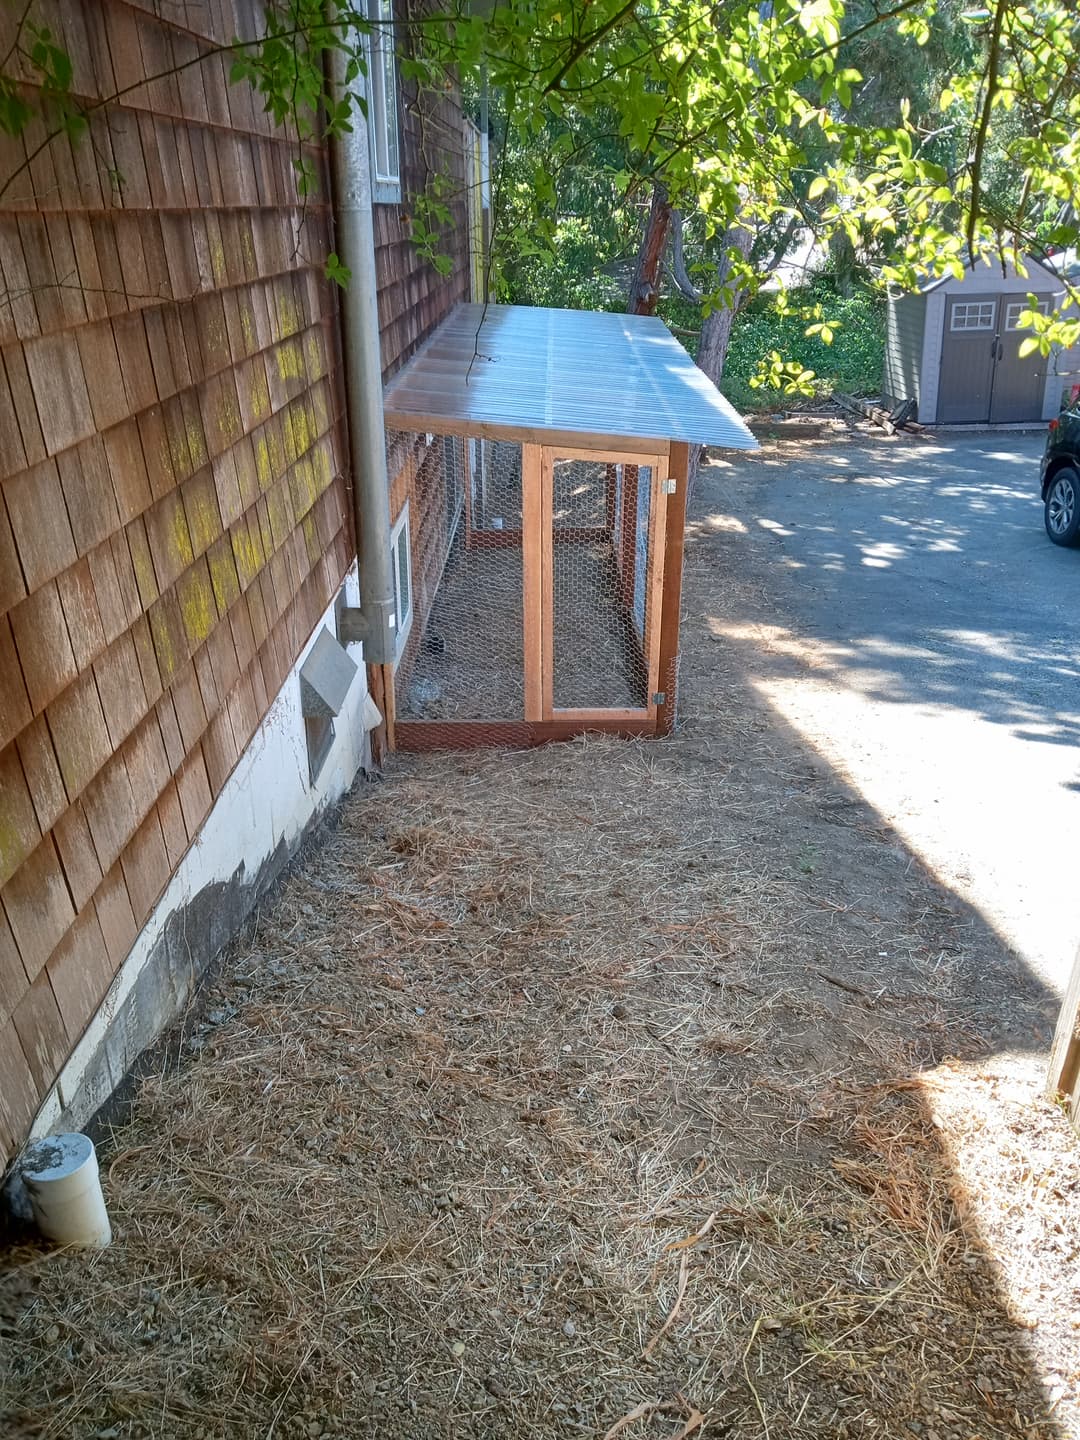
{"x": 852, "y": 363}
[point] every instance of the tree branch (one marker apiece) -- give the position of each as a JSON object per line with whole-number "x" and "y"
{"x": 679, "y": 272}
{"x": 585, "y": 43}
{"x": 993, "y": 62}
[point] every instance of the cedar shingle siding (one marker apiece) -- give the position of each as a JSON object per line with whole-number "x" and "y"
{"x": 413, "y": 300}
{"x": 173, "y": 507}
{"x": 413, "y": 297}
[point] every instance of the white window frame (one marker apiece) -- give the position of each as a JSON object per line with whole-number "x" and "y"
{"x": 961, "y": 311}
{"x": 384, "y": 126}
{"x": 479, "y": 457}
{"x": 404, "y": 619}
{"x": 1016, "y": 308}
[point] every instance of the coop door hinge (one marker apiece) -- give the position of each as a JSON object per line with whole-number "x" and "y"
{"x": 668, "y": 487}
{"x": 660, "y": 697}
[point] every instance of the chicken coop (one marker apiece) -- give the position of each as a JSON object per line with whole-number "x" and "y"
{"x": 538, "y": 463}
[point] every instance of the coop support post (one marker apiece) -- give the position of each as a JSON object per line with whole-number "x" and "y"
{"x": 532, "y": 550}
{"x": 375, "y": 622}
{"x": 671, "y": 606}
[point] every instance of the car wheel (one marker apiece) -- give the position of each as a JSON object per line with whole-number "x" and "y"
{"x": 1062, "y": 509}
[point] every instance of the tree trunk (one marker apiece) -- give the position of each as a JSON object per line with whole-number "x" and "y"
{"x": 844, "y": 260}
{"x": 716, "y": 328}
{"x": 645, "y": 286}
{"x": 713, "y": 343}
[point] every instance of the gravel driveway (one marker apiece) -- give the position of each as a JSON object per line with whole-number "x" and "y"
{"x": 924, "y": 633}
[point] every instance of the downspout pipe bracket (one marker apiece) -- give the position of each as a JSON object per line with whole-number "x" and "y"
{"x": 358, "y": 626}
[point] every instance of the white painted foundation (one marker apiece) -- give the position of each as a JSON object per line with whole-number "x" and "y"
{"x": 267, "y": 803}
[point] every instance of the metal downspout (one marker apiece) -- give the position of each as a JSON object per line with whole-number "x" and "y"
{"x": 375, "y": 623}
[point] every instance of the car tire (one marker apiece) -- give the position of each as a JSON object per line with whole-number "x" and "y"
{"x": 1061, "y": 511}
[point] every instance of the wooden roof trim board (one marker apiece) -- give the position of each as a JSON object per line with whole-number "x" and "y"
{"x": 522, "y": 372}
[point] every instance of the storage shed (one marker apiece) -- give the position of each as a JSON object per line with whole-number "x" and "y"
{"x": 538, "y": 466}
{"x": 954, "y": 348}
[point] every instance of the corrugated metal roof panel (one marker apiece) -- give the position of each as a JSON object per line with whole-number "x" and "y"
{"x": 515, "y": 369}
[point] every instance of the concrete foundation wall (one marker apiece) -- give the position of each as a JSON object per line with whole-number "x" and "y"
{"x": 256, "y": 824}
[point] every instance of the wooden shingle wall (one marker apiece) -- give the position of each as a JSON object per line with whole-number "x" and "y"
{"x": 413, "y": 297}
{"x": 173, "y": 516}
{"x": 413, "y": 300}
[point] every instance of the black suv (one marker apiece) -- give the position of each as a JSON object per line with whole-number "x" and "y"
{"x": 1060, "y": 476}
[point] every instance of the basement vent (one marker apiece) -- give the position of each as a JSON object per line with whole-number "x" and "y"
{"x": 325, "y": 677}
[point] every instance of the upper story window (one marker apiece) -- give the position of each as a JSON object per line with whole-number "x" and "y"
{"x": 382, "y": 98}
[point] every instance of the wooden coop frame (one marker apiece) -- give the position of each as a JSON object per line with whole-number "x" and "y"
{"x": 594, "y": 415}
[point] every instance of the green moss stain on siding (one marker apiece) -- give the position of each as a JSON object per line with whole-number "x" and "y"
{"x": 289, "y": 359}
{"x": 223, "y": 574}
{"x": 168, "y": 660}
{"x": 197, "y": 608}
{"x": 203, "y": 515}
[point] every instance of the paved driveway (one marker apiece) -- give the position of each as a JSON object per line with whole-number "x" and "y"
{"x": 917, "y": 626}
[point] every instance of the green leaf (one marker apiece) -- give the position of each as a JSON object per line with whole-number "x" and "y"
{"x": 15, "y": 113}
{"x": 337, "y": 272}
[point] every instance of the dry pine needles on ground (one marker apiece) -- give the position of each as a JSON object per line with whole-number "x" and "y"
{"x": 553, "y": 1094}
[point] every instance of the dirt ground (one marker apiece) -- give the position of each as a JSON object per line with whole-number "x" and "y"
{"x": 612, "y": 1089}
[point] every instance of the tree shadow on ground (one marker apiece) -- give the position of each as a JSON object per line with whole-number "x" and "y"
{"x": 615, "y": 1088}
{"x": 972, "y": 1022}
{"x": 988, "y": 623}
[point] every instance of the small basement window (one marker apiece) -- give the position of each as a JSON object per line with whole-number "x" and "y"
{"x": 382, "y": 99}
{"x": 400, "y": 543}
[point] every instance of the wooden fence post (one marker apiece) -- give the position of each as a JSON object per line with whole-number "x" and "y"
{"x": 1063, "y": 1076}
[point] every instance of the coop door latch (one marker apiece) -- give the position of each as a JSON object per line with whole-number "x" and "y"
{"x": 668, "y": 487}
{"x": 660, "y": 697}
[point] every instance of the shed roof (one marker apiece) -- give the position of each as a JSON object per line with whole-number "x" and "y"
{"x": 987, "y": 261}
{"x": 519, "y": 372}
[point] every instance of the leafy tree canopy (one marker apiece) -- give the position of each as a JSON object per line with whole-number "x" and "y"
{"x": 941, "y": 131}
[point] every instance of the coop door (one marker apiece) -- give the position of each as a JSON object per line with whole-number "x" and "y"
{"x": 593, "y": 584}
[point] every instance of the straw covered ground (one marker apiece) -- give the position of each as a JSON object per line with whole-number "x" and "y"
{"x": 613, "y": 1089}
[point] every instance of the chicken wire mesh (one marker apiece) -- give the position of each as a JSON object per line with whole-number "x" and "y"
{"x": 600, "y": 562}
{"x": 463, "y": 658}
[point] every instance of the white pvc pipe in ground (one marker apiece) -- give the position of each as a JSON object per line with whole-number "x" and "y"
{"x": 61, "y": 1177}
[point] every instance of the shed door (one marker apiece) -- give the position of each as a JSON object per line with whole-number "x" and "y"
{"x": 967, "y": 359}
{"x": 1018, "y": 382}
